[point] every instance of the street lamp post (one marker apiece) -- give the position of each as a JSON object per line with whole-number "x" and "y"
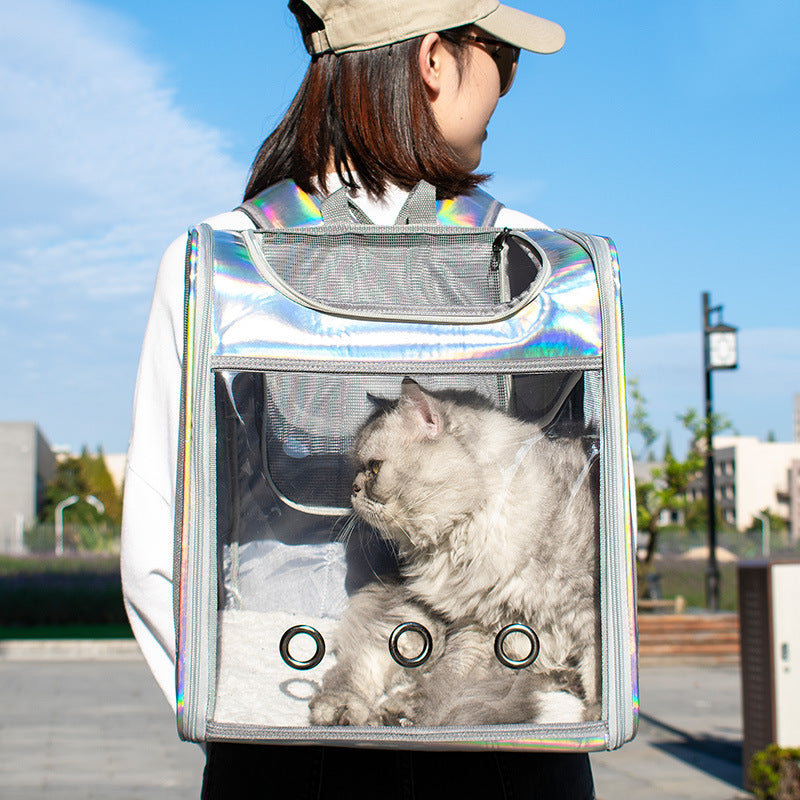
{"x": 719, "y": 352}
{"x": 98, "y": 504}
{"x": 765, "y": 533}
{"x": 59, "y": 516}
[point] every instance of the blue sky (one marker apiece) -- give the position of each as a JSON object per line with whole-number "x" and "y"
{"x": 670, "y": 126}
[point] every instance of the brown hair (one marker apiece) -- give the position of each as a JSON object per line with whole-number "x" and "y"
{"x": 367, "y": 115}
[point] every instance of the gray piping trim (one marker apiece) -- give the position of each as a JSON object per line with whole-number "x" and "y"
{"x": 486, "y": 736}
{"x": 179, "y": 483}
{"x": 508, "y": 366}
{"x": 618, "y": 698}
{"x": 200, "y": 656}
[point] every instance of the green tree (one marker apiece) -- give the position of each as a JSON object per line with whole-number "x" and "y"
{"x": 101, "y": 485}
{"x": 68, "y": 480}
{"x": 666, "y": 491}
{"x": 85, "y": 475}
{"x": 777, "y": 524}
{"x": 668, "y": 486}
{"x": 639, "y": 419}
{"x": 698, "y": 426}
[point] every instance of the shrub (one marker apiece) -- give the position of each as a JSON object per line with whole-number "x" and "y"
{"x": 775, "y": 773}
{"x": 60, "y": 591}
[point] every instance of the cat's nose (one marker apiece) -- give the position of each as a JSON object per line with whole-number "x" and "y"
{"x": 356, "y": 488}
{"x": 358, "y": 485}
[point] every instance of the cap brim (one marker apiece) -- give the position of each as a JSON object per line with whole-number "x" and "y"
{"x": 524, "y": 30}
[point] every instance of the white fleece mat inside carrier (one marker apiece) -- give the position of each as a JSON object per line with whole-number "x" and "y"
{"x": 254, "y": 685}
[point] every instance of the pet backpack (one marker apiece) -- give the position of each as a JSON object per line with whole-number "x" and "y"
{"x": 300, "y": 338}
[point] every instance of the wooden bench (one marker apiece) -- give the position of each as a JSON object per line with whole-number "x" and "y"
{"x": 669, "y": 636}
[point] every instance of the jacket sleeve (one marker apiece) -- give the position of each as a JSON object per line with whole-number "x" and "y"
{"x": 149, "y": 501}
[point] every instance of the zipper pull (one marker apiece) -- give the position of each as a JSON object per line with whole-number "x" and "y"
{"x": 497, "y": 249}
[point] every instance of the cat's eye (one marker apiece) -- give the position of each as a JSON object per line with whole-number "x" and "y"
{"x": 374, "y": 467}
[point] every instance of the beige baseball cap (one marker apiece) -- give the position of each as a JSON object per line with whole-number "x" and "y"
{"x": 365, "y": 24}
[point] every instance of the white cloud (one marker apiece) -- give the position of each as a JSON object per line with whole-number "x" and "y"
{"x": 100, "y": 170}
{"x": 100, "y": 167}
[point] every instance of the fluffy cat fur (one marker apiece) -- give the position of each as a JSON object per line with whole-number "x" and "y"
{"x": 495, "y": 523}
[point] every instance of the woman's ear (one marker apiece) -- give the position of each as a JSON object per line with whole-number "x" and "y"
{"x": 430, "y": 63}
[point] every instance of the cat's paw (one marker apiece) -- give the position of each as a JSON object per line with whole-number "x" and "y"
{"x": 397, "y": 709}
{"x": 341, "y": 708}
{"x": 400, "y": 720}
{"x": 397, "y": 715}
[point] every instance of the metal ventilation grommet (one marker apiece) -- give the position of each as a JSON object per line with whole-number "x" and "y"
{"x": 427, "y": 644}
{"x": 309, "y": 663}
{"x": 500, "y": 640}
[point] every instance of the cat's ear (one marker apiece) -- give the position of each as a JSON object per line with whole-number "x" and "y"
{"x": 381, "y": 403}
{"x": 424, "y": 405}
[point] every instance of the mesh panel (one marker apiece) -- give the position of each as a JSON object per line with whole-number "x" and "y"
{"x": 312, "y": 420}
{"x": 444, "y": 271}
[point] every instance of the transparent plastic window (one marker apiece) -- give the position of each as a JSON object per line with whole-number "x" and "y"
{"x": 407, "y": 550}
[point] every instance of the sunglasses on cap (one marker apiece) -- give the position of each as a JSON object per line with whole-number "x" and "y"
{"x": 505, "y": 55}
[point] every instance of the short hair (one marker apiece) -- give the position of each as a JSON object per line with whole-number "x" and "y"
{"x": 367, "y": 116}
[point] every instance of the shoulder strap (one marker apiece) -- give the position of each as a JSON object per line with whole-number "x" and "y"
{"x": 338, "y": 209}
{"x": 285, "y": 205}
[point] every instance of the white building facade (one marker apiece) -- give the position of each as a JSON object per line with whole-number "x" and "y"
{"x": 796, "y": 418}
{"x": 751, "y": 475}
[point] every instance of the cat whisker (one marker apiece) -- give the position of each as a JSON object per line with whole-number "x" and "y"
{"x": 369, "y": 563}
{"x": 393, "y": 518}
{"x": 351, "y": 522}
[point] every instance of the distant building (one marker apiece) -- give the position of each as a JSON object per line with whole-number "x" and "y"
{"x": 797, "y": 417}
{"x": 793, "y": 500}
{"x": 115, "y": 464}
{"x": 27, "y": 463}
{"x": 750, "y": 475}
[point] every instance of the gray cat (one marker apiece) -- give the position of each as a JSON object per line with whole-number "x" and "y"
{"x": 495, "y": 523}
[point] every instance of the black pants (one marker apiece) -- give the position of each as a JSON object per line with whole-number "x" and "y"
{"x": 305, "y": 772}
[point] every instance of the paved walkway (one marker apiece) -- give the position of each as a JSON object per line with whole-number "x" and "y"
{"x": 689, "y": 740}
{"x": 86, "y": 720}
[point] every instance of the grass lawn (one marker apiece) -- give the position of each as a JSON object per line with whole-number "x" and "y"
{"x": 100, "y": 631}
{"x": 688, "y": 578}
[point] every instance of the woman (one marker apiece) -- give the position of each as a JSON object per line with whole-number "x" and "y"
{"x": 395, "y": 93}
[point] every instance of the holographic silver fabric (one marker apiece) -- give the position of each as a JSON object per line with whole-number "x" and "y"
{"x": 252, "y": 319}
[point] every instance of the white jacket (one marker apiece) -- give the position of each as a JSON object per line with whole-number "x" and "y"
{"x": 149, "y": 504}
